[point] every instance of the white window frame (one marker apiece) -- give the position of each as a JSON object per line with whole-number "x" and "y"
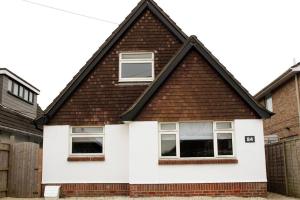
{"x": 86, "y": 135}
{"x": 215, "y": 140}
{"x": 121, "y": 61}
{"x": 169, "y": 132}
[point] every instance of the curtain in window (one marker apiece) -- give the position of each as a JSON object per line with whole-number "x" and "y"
{"x": 196, "y": 131}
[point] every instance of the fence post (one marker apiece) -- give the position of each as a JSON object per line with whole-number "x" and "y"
{"x": 285, "y": 168}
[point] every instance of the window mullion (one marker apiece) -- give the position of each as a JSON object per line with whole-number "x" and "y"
{"x": 177, "y": 141}
{"x": 215, "y": 144}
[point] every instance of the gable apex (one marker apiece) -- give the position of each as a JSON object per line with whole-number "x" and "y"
{"x": 143, "y": 5}
{"x": 193, "y": 43}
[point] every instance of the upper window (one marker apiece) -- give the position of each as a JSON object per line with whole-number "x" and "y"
{"x": 196, "y": 139}
{"x": 269, "y": 103}
{"x": 87, "y": 141}
{"x": 20, "y": 91}
{"x": 136, "y": 67}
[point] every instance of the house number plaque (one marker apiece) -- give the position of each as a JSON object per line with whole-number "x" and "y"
{"x": 249, "y": 139}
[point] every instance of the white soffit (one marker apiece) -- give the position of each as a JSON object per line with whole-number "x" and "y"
{"x": 18, "y": 79}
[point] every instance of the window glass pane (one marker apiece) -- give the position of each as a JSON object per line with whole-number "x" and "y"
{"x": 168, "y": 127}
{"x": 224, "y": 144}
{"x": 168, "y": 145}
{"x": 26, "y": 94}
{"x": 223, "y": 125}
{"x": 16, "y": 89}
{"x": 87, "y": 129}
{"x": 269, "y": 103}
{"x": 141, "y": 56}
{"x": 136, "y": 70}
{"x": 9, "y": 85}
{"x": 21, "y": 89}
{"x": 196, "y": 139}
{"x": 30, "y": 97}
{"x": 87, "y": 145}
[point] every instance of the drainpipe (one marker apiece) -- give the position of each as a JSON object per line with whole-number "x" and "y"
{"x": 297, "y": 96}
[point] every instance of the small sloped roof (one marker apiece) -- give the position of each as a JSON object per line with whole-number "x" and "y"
{"x": 105, "y": 47}
{"x": 14, "y": 122}
{"x": 278, "y": 81}
{"x": 193, "y": 43}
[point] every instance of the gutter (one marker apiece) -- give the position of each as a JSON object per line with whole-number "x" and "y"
{"x": 20, "y": 131}
{"x": 278, "y": 81}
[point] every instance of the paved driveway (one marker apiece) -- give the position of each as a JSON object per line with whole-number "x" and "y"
{"x": 270, "y": 196}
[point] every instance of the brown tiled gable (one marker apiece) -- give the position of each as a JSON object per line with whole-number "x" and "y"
{"x": 223, "y": 74}
{"x": 95, "y": 96}
{"x": 195, "y": 91}
{"x": 100, "y": 98}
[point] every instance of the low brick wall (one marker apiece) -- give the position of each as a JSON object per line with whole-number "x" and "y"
{"x": 93, "y": 189}
{"x": 202, "y": 189}
{"x": 147, "y": 190}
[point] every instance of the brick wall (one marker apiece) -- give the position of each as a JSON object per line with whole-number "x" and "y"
{"x": 100, "y": 99}
{"x": 146, "y": 190}
{"x": 195, "y": 91}
{"x": 92, "y": 189}
{"x": 285, "y": 122}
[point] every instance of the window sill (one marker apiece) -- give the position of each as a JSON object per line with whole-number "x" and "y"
{"x": 85, "y": 158}
{"x": 133, "y": 83}
{"x": 197, "y": 161}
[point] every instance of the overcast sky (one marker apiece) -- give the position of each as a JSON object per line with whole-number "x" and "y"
{"x": 256, "y": 40}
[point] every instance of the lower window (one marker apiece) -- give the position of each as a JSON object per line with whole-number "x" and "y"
{"x": 87, "y": 141}
{"x": 196, "y": 139}
{"x": 168, "y": 145}
{"x": 87, "y": 145}
{"x": 224, "y": 144}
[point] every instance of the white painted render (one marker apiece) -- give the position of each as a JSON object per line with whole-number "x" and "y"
{"x": 131, "y": 156}
{"x": 56, "y": 168}
{"x": 144, "y": 168}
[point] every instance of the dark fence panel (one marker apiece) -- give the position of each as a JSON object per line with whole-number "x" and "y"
{"x": 283, "y": 167}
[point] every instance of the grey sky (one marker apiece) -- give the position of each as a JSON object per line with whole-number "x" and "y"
{"x": 256, "y": 39}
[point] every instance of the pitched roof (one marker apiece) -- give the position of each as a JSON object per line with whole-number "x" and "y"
{"x": 105, "y": 47}
{"x": 193, "y": 43}
{"x": 14, "y": 122}
{"x": 278, "y": 81}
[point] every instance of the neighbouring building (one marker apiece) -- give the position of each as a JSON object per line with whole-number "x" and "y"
{"x": 281, "y": 97}
{"x": 154, "y": 113}
{"x": 18, "y": 109}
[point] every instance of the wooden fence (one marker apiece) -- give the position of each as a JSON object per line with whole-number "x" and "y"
{"x": 283, "y": 167}
{"x": 20, "y": 170}
{"x": 4, "y": 157}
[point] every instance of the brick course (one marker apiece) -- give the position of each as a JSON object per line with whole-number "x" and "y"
{"x": 255, "y": 189}
{"x": 200, "y": 189}
{"x": 195, "y": 91}
{"x": 196, "y": 161}
{"x": 93, "y": 189}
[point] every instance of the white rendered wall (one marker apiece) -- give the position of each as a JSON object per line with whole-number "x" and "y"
{"x": 144, "y": 168}
{"x": 56, "y": 168}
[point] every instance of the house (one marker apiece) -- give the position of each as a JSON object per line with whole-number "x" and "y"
{"x": 281, "y": 96}
{"x": 154, "y": 113}
{"x": 18, "y": 109}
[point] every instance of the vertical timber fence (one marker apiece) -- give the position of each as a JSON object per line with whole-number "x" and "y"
{"x": 283, "y": 167}
{"x": 4, "y": 157}
{"x": 20, "y": 170}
